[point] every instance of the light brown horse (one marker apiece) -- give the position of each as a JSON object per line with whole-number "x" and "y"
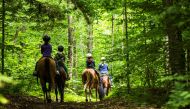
{"x": 106, "y": 84}
{"x": 60, "y": 84}
{"x": 46, "y": 69}
{"x": 90, "y": 80}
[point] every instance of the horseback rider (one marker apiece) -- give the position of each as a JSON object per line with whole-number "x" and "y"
{"x": 103, "y": 68}
{"x": 46, "y": 50}
{"x": 60, "y": 60}
{"x": 90, "y": 63}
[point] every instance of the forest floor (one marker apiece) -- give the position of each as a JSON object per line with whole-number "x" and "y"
{"x": 31, "y": 102}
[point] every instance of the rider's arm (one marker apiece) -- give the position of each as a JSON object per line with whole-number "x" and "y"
{"x": 99, "y": 67}
{"x": 86, "y": 64}
{"x": 42, "y": 49}
{"x": 94, "y": 64}
{"x": 50, "y": 48}
{"x": 63, "y": 57}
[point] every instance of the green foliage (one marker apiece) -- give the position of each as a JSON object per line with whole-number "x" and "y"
{"x": 180, "y": 95}
{"x": 3, "y": 82}
{"x": 28, "y": 20}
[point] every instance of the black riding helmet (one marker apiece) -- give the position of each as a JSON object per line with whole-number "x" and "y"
{"x": 46, "y": 38}
{"x": 60, "y": 48}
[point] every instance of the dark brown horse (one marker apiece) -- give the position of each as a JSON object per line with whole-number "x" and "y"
{"x": 60, "y": 84}
{"x": 90, "y": 80}
{"x": 106, "y": 84}
{"x": 46, "y": 69}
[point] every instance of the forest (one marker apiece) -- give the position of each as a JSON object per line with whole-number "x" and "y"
{"x": 145, "y": 43}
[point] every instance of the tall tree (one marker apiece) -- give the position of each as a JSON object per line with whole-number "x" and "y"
{"x": 127, "y": 46}
{"x": 90, "y": 37}
{"x": 113, "y": 39}
{"x": 70, "y": 40}
{"x": 88, "y": 12}
{"x": 75, "y": 56}
{"x": 176, "y": 52}
{"x": 3, "y": 36}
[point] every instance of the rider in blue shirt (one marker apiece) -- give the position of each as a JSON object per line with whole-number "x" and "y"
{"x": 103, "y": 68}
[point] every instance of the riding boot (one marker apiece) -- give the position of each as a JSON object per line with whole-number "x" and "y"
{"x": 35, "y": 72}
{"x": 111, "y": 81}
{"x": 98, "y": 76}
{"x": 66, "y": 71}
{"x": 58, "y": 69}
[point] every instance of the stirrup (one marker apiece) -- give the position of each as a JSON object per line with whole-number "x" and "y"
{"x": 35, "y": 73}
{"x": 67, "y": 78}
{"x": 57, "y": 72}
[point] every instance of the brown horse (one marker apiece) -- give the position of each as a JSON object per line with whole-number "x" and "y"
{"x": 46, "y": 69}
{"x": 90, "y": 80}
{"x": 106, "y": 84}
{"x": 60, "y": 84}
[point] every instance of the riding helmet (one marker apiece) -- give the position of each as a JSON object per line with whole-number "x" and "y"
{"x": 46, "y": 38}
{"x": 89, "y": 55}
{"x": 103, "y": 58}
{"x": 60, "y": 48}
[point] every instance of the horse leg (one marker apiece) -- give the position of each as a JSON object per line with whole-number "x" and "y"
{"x": 48, "y": 92}
{"x": 44, "y": 90}
{"x": 45, "y": 94}
{"x": 56, "y": 92}
{"x": 61, "y": 92}
{"x": 96, "y": 93}
{"x": 86, "y": 95}
{"x": 90, "y": 94}
{"x": 105, "y": 90}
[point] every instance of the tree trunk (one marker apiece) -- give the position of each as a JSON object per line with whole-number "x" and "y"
{"x": 147, "y": 68}
{"x": 176, "y": 52}
{"x": 70, "y": 42}
{"x": 166, "y": 57}
{"x": 127, "y": 47}
{"x": 90, "y": 38}
{"x": 3, "y": 36}
{"x": 188, "y": 59}
{"x": 113, "y": 38}
{"x": 16, "y": 34}
{"x": 175, "y": 43}
{"x": 75, "y": 56}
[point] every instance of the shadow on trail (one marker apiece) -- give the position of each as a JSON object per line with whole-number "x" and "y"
{"x": 31, "y": 102}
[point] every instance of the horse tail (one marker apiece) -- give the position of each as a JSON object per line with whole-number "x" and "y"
{"x": 47, "y": 68}
{"x": 87, "y": 78}
{"x": 84, "y": 78}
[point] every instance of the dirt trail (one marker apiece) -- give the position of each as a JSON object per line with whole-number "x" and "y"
{"x": 29, "y": 102}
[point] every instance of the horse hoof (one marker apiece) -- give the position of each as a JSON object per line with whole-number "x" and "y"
{"x": 49, "y": 100}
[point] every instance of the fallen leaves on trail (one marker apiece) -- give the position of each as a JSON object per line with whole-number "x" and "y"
{"x": 31, "y": 102}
